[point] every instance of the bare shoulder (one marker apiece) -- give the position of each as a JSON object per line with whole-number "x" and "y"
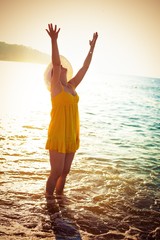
{"x": 70, "y": 85}
{"x": 56, "y": 88}
{"x": 70, "y": 88}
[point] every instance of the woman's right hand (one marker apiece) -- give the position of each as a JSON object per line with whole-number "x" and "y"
{"x": 53, "y": 33}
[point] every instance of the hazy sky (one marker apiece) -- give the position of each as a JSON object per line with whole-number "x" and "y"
{"x": 129, "y": 31}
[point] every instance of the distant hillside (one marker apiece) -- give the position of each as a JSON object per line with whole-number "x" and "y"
{"x": 20, "y": 53}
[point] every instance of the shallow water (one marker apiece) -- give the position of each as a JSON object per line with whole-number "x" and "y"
{"x": 112, "y": 191}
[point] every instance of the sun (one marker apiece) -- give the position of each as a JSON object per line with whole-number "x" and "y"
{"x": 24, "y": 90}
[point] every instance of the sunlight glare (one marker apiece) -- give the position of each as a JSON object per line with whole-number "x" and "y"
{"x": 26, "y": 91}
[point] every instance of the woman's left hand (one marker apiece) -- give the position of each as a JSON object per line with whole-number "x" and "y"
{"x": 93, "y": 41}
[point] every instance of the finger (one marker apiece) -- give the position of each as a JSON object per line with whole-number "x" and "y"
{"x": 48, "y": 32}
{"x": 96, "y": 34}
{"x": 50, "y": 26}
{"x": 58, "y": 30}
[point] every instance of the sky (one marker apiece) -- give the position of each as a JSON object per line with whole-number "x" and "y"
{"x": 129, "y": 31}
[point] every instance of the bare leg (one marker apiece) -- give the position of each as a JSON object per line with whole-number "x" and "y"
{"x": 57, "y": 161}
{"x": 62, "y": 179}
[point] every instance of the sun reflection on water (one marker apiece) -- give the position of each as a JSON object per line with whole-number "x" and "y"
{"x": 25, "y": 107}
{"x": 114, "y": 178}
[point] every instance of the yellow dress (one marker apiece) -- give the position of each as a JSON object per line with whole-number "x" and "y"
{"x": 63, "y": 131}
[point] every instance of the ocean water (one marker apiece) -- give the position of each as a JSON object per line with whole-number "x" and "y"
{"x": 113, "y": 190}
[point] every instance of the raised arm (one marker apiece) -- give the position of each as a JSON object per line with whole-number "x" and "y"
{"x": 53, "y": 33}
{"x": 79, "y": 76}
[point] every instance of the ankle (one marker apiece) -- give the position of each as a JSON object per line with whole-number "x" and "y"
{"x": 48, "y": 194}
{"x": 59, "y": 192}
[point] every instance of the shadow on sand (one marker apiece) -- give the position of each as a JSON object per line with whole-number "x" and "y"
{"x": 61, "y": 219}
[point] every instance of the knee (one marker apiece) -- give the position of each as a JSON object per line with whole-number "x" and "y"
{"x": 65, "y": 173}
{"x": 55, "y": 175}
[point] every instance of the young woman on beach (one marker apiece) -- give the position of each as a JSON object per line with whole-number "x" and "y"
{"x": 63, "y": 131}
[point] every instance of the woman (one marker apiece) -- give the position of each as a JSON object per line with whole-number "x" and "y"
{"x": 63, "y": 132}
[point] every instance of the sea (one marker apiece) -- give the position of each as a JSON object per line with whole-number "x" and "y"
{"x": 113, "y": 189}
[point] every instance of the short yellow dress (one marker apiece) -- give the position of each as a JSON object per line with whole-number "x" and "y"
{"x": 63, "y": 131}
